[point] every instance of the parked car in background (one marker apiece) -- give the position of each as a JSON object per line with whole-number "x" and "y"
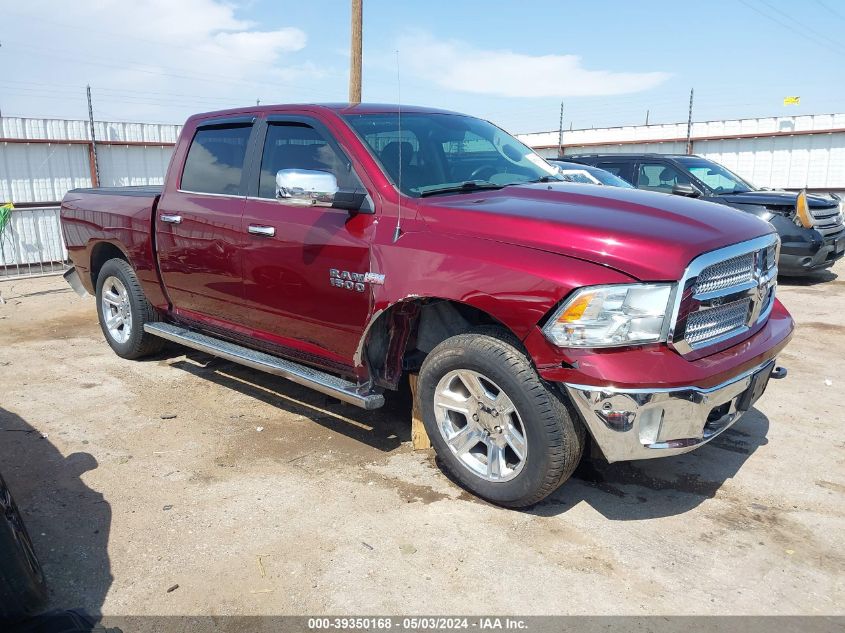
{"x": 810, "y": 226}
{"x": 22, "y": 587}
{"x": 575, "y": 172}
{"x": 343, "y": 246}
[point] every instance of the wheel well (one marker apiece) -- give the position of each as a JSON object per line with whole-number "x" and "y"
{"x": 405, "y": 333}
{"x": 103, "y": 252}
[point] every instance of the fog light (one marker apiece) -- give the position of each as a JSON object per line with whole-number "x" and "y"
{"x": 618, "y": 420}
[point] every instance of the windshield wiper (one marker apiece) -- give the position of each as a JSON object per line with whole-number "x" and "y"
{"x": 469, "y": 185}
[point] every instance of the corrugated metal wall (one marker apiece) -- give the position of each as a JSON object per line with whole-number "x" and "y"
{"x": 74, "y": 130}
{"x": 121, "y": 166}
{"x": 41, "y": 172}
{"x": 32, "y": 244}
{"x": 792, "y": 159}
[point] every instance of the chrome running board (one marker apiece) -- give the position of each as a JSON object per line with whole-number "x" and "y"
{"x": 300, "y": 374}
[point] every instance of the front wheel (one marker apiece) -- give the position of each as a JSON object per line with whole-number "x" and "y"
{"x": 498, "y": 429}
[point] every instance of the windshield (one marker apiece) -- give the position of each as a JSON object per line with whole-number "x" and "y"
{"x": 448, "y": 153}
{"x": 719, "y": 179}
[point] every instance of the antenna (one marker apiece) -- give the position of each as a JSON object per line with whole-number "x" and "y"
{"x": 397, "y": 232}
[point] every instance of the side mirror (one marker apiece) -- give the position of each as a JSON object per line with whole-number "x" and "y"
{"x": 315, "y": 188}
{"x": 686, "y": 190}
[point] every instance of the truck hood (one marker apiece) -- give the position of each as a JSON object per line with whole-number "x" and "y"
{"x": 649, "y": 236}
{"x": 776, "y": 199}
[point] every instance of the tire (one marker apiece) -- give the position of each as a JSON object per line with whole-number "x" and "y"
{"x": 22, "y": 586}
{"x": 527, "y": 443}
{"x": 123, "y": 310}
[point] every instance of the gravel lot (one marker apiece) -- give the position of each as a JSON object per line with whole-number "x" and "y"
{"x": 256, "y": 496}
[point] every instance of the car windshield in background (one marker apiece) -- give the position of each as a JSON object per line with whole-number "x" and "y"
{"x": 719, "y": 179}
{"x": 448, "y": 153}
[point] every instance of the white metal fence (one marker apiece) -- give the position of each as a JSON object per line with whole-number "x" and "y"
{"x": 31, "y": 244}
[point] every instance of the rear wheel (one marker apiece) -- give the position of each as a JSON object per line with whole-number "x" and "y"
{"x": 22, "y": 586}
{"x": 123, "y": 310}
{"x": 498, "y": 429}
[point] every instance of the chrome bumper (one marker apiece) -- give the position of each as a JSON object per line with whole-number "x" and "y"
{"x": 645, "y": 423}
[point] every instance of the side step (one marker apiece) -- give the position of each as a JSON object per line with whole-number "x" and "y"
{"x": 300, "y": 374}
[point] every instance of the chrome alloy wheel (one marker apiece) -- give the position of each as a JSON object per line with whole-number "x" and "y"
{"x": 481, "y": 425}
{"x": 117, "y": 312}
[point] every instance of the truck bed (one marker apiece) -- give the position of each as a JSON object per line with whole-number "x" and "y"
{"x": 100, "y": 223}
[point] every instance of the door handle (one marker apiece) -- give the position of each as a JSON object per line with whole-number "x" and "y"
{"x": 171, "y": 219}
{"x": 257, "y": 229}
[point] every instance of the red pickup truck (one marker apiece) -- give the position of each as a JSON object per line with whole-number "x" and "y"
{"x": 343, "y": 246}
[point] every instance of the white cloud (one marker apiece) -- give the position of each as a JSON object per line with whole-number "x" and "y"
{"x": 455, "y": 65}
{"x": 152, "y": 59}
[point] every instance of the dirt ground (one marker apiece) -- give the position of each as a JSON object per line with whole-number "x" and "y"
{"x": 251, "y": 495}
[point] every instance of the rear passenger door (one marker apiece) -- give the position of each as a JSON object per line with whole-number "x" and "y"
{"x": 198, "y": 226}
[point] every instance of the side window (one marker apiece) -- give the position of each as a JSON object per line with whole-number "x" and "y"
{"x": 300, "y": 146}
{"x": 215, "y": 160}
{"x": 617, "y": 169}
{"x": 660, "y": 177}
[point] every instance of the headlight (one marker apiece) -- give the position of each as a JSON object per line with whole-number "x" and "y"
{"x": 608, "y": 316}
{"x": 802, "y": 211}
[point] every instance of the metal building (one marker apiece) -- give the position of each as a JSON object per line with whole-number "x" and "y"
{"x": 41, "y": 159}
{"x": 776, "y": 152}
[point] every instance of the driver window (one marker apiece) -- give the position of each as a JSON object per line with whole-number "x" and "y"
{"x": 660, "y": 177}
{"x": 300, "y": 146}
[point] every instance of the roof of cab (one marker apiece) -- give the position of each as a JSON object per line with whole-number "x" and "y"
{"x": 338, "y": 108}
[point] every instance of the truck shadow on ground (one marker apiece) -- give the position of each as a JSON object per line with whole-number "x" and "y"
{"x": 69, "y": 522}
{"x": 652, "y": 488}
{"x": 622, "y": 491}
{"x": 384, "y": 429}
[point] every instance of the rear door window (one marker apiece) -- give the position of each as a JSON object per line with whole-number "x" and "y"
{"x": 215, "y": 160}
{"x": 621, "y": 169}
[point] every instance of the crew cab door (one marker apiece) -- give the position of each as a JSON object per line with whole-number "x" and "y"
{"x": 293, "y": 253}
{"x": 198, "y": 224}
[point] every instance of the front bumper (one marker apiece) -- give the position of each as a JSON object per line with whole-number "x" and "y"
{"x": 632, "y": 424}
{"x": 797, "y": 258}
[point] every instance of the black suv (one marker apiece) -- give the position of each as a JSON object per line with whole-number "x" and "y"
{"x": 810, "y": 240}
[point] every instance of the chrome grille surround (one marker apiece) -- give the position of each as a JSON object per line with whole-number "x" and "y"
{"x": 725, "y": 294}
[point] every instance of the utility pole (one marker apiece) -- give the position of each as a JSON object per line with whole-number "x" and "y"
{"x": 689, "y": 123}
{"x": 93, "y": 157}
{"x": 560, "y": 133}
{"x": 355, "y": 60}
{"x": 647, "y": 112}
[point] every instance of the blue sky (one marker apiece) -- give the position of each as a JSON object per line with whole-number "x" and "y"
{"x": 511, "y": 62}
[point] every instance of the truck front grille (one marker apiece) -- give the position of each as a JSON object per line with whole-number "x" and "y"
{"x": 707, "y": 324}
{"x": 827, "y": 221}
{"x": 726, "y": 294}
{"x": 726, "y": 274}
